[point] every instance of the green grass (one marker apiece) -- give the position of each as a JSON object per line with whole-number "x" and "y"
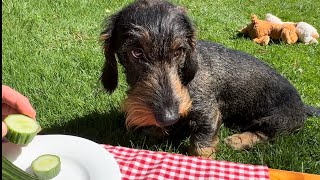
{"x": 51, "y": 54}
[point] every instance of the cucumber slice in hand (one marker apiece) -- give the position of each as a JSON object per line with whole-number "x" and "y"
{"x": 21, "y": 129}
{"x": 46, "y": 166}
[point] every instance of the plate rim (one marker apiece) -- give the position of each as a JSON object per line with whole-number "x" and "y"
{"x": 97, "y": 146}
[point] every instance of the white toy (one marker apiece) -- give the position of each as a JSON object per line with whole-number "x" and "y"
{"x": 274, "y": 19}
{"x": 307, "y": 34}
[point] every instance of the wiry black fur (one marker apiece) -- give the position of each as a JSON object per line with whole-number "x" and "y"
{"x": 123, "y": 28}
{"x": 250, "y": 95}
{"x": 225, "y": 85}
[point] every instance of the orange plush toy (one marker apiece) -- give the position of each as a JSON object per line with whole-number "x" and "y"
{"x": 261, "y": 31}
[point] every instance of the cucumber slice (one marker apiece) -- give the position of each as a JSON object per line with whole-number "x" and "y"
{"x": 21, "y": 129}
{"x": 46, "y": 166}
{"x": 11, "y": 171}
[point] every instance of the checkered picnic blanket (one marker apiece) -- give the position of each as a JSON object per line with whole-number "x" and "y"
{"x": 143, "y": 164}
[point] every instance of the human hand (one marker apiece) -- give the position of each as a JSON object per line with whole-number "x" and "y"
{"x": 14, "y": 103}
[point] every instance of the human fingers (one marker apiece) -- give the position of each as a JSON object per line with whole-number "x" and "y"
{"x": 9, "y": 96}
{"x": 24, "y": 107}
{"x": 17, "y": 101}
{"x": 6, "y": 110}
{"x": 4, "y": 129}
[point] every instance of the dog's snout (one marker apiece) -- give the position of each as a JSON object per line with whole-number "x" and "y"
{"x": 167, "y": 117}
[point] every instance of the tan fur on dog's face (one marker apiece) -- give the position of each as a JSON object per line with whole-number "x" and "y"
{"x": 141, "y": 97}
{"x": 138, "y": 114}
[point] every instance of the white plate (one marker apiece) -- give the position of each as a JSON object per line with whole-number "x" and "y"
{"x": 81, "y": 159}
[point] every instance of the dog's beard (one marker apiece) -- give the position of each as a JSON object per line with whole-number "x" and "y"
{"x": 138, "y": 113}
{"x": 137, "y": 105}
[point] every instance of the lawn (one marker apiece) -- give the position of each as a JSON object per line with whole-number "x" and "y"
{"x": 51, "y": 54}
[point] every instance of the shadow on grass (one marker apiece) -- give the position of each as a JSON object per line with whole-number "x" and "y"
{"x": 287, "y": 152}
{"x": 240, "y": 35}
{"x": 109, "y": 128}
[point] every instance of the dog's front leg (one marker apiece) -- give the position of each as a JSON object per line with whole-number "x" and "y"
{"x": 204, "y": 139}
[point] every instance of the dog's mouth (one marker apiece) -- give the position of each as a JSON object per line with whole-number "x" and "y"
{"x": 139, "y": 114}
{"x": 161, "y": 100}
{"x": 142, "y": 111}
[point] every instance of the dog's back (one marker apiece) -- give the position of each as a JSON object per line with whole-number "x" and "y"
{"x": 245, "y": 88}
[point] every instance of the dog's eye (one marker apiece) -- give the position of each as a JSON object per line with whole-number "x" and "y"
{"x": 178, "y": 52}
{"x": 137, "y": 53}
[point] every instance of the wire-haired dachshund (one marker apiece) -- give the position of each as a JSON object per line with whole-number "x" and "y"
{"x": 175, "y": 80}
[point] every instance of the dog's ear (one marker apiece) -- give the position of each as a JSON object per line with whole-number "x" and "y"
{"x": 109, "y": 76}
{"x": 190, "y": 66}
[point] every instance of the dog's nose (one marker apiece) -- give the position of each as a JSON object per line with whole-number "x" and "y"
{"x": 167, "y": 117}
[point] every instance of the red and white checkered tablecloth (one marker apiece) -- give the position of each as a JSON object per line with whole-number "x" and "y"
{"x": 143, "y": 164}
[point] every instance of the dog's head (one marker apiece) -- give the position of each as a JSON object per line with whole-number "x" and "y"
{"x": 155, "y": 43}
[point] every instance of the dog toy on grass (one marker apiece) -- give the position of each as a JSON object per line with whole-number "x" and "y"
{"x": 306, "y": 33}
{"x": 261, "y": 31}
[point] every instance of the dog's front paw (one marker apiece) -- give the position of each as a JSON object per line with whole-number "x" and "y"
{"x": 244, "y": 140}
{"x": 205, "y": 152}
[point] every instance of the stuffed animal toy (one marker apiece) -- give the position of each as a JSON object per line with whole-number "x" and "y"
{"x": 306, "y": 33}
{"x": 261, "y": 31}
{"x": 274, "y": 19}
